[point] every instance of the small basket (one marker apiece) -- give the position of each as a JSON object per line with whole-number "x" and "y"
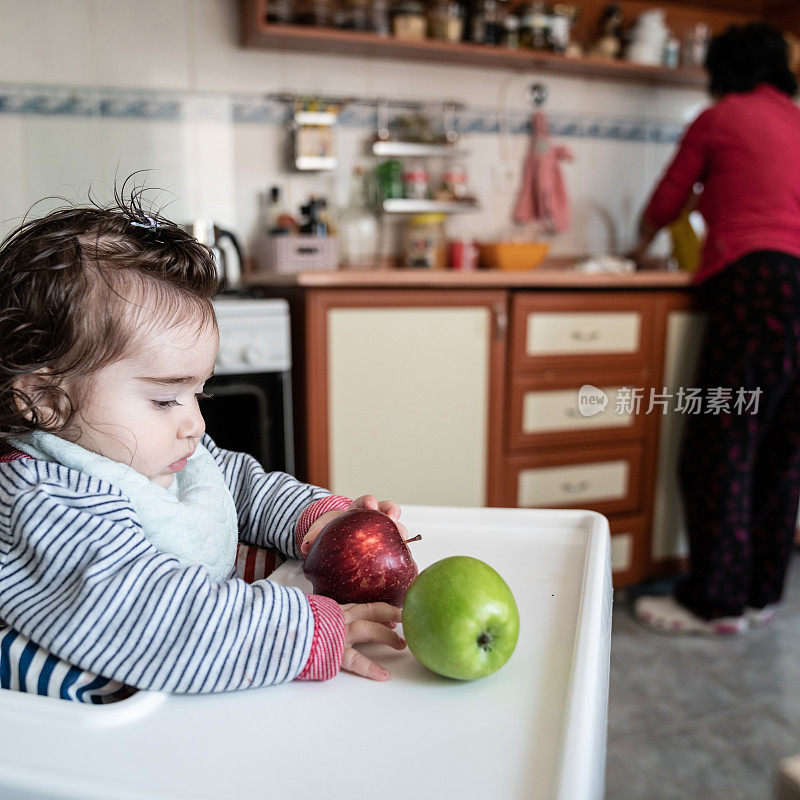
{"x": 292, "y": 254}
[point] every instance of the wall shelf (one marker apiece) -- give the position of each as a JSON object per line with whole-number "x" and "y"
{"x": 416, "y": 149}
{"x": 257, "y": 33}
{"x": 405, "y": 206}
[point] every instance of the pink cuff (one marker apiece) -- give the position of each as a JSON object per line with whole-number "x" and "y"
{"x": 313, "y": 512}
{"x": 327, "y": 646}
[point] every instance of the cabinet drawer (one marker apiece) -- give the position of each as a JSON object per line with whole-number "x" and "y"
{"x": 604, "y": 479}
{"x": 572, "y": 411}
{"x": 587, "y": 330}
{"x": 628, "y": 544}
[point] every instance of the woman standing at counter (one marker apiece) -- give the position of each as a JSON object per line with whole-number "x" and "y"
{"x": 740, "y": 469}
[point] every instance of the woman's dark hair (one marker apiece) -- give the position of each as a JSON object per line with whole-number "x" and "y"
{"x": 745, "y": 56}
{"x": 78, "y": 288}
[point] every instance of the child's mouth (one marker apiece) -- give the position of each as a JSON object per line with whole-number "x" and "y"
{"x": 177, "y": 466}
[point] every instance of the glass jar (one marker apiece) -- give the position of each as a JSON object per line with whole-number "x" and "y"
{"x": 511, "y": 37}
{"x": 424, "y": 242}
{"x": 445, "y": 21}
{"x": 409, "y": 20}
{"x": 534, "y": 31}
{"x": 356, "y": 15}
{"x": 415, "y": 181}
{"x": 486, "y": 22}
{"x": 280, "y": 12}
{"x": 315, "y": 12}
{"x": 380, "y": 18}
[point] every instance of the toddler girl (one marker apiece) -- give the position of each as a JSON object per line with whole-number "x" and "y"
{"x": 119, "y": 518}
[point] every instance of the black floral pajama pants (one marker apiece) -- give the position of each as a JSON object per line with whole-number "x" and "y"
{"x": 739, "y": 470}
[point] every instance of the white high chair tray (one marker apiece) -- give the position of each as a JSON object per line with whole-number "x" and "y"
{"x": 534, "y": 729}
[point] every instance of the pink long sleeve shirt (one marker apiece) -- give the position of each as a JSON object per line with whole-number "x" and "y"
{"x": 745, "y": 150}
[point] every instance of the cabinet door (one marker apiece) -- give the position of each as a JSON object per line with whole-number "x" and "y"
{"x": 684, "y": 334}
{"x": 412, "y": 411}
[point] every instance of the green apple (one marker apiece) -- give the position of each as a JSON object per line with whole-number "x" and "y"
{"x": 460, "y": 619}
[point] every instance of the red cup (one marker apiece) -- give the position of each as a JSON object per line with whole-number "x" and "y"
{"x": 462, "y": 254}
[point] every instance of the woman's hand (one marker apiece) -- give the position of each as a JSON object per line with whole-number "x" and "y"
{"x": 388, "y": 507}
{"x": 369, "y": 622}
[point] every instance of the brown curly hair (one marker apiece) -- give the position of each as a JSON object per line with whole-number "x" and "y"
{"x": 78, "y": 287}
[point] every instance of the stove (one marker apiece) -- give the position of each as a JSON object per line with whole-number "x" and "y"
{"x": 251, "y": 407}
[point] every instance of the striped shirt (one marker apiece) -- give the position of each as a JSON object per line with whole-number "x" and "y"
{"x": 79, "y": 579}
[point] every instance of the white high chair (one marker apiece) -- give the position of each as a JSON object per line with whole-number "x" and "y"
{"x": 534, "y": 729}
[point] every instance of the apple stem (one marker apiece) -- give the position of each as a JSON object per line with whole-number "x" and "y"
{"x": 416, "y": 538}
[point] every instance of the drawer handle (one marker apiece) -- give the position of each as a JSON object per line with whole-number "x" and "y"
{"x": 585, "y": 335}
{"x": 574, "y": 488}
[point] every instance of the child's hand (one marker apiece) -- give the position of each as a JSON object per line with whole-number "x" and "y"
{"x": 369, "y": 622}
{"x": 388, "y": 507}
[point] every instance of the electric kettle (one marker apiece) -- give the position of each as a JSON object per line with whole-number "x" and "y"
{"x": 225, "y": 248}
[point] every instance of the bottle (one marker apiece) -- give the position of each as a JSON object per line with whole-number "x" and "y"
{"x": 313, "y": 225}
{"x": 358, "y": 228}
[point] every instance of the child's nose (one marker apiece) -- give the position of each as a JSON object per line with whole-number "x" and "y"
{"x": 193, "y": 425}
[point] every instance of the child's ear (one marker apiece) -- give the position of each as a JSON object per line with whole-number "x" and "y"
{"x": 38, "y": 397}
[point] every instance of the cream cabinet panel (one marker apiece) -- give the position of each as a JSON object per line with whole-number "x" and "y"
{"x": 573, "y": 484}
{"x": 557, "y": 410}
{"x": 683, "y": 340}
{"x": 573, "y": 333}
{"x": 621, "y": 552}
{"x": 408, "y": 393}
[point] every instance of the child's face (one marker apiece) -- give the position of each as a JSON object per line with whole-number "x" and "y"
{"x": 137, "y": 411}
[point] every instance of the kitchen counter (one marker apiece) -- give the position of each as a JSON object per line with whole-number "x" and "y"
{"x": 544, "y": 278}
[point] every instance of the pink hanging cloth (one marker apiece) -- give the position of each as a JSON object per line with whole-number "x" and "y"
{"x": 543, "y": 193}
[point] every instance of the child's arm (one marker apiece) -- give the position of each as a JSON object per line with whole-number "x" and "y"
{"x": 275, "y": 509}
{"x": 78, "y": 578}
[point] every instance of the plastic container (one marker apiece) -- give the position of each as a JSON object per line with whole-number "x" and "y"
{"x": 424, "y": 242}
{"x": 292, "y": 254}
{"x": 513, "y": 256}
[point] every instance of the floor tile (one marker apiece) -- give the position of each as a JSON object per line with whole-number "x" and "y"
{"x": 703, "y": 717}
{"x": 625, "y": 780}
{"x": 734, "y": 756}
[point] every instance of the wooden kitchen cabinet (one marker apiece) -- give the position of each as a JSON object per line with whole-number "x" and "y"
{"x": 559, "y": 452}
{"x": 464, "y": 390}
{"x": 404, "y": 393}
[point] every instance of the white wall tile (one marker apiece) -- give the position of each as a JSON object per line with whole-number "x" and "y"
{"x": 142, "y": 43}
{"x": 47, "y": 41}
{"x": 217, "y": 168}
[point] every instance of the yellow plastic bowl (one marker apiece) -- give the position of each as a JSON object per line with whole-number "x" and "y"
{"x": 513, "y": 256}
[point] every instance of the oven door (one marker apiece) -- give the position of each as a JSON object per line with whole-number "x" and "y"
{"x": 251, "y": 413}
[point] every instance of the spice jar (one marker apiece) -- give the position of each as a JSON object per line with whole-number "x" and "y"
{"x": 424, "y": 242}
{"x": 486, "y": 22}
{"x": 445, "y": 21}
{"x": 409, "y": 20}
{"x": 534, "y": 31}
{"x": 454, "y": 182}
{"x": 511, "y": 35}
{"x": 415, "y": 181}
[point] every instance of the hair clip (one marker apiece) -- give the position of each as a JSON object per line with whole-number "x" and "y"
{"x": 151, "y": 224}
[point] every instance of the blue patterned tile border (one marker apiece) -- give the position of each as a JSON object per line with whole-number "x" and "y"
{"x": 239, "y": 108}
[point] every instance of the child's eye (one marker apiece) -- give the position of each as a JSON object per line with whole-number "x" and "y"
{"x": 165, "y": 403}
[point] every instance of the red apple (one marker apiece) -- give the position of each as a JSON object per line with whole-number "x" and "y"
{"x": 361, "y": 557}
